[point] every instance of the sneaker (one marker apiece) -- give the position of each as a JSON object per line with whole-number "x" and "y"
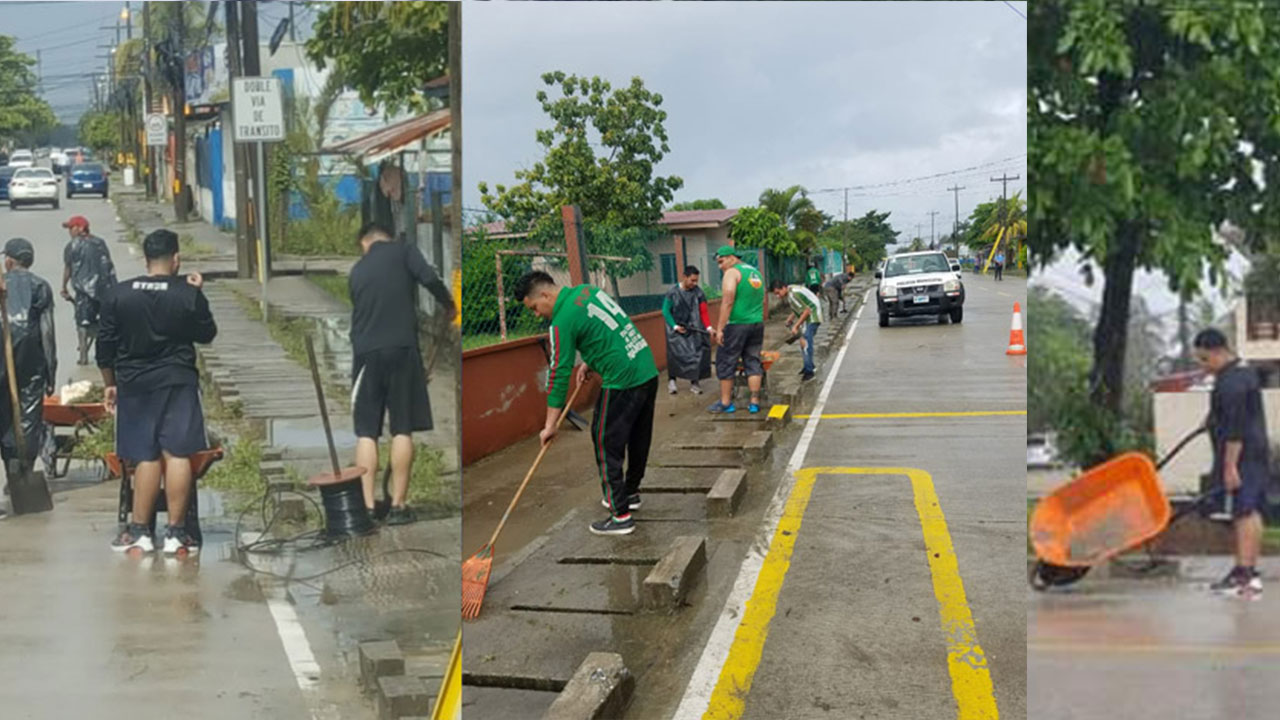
{"x": 633, "y": 503}
{"x": 693, "y": 388}
{"x": 1234, "y": 582}
{"x": 806, "y": 377}
{"x": 614, "y": 526}
{"x": 720, "y": 407}
{"x": 178, "y": 542}
{"x": 671, "y": 386}
{"x": 753, "y": 408}
{"x": 403, "y": 515}
{"x": 133, "y": 536}
{"x": 3, "y": 513}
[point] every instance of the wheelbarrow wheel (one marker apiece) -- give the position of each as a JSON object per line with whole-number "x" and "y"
{"x": 1044, "y": 575}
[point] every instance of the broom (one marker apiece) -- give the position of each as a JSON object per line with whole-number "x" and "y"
{"x": 475, "y": 571}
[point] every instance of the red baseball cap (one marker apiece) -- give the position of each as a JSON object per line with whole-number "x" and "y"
{"x": 77, "y": 221}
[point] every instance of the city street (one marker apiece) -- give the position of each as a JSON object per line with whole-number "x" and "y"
{"x": 917, "y": 453}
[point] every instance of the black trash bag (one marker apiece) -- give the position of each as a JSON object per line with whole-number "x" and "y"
{"x": 30, "y": 308}
{"x": 688, "y": 354}
{"x": 92, "y": 272}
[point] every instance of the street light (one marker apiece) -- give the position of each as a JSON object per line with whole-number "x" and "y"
{"x": 124, "y": 13}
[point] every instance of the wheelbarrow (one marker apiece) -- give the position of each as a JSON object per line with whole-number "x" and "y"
{"x": 82, "y": 418}
{"x": 1107, "y": 510}
{"x": 767, "y": 359}
{"x": 201, "y": 461}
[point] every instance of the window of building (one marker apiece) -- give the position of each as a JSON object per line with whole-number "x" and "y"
{"x": 670, "y": 275}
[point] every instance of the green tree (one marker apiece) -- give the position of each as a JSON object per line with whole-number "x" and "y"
{"x": 386, "y": 51}
{"x": 798, "y": 214}
{"x": 761, "y": 228}
{"x": 917, "y": 244}
{"x": 1004, "y": 225}
{"x": 620, "y": 197}
{"x": 865, "y": 239}
{"x": 100, "y": 131}
{"x": 1146, "y": 123}
{"x": 22, "y": 111}
{"x": 709, "y": 204}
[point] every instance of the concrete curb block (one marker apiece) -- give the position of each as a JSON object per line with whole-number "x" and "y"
{"x": 757, "y": 447}
{"x": 670, "y": 580}
{"x": 378, "y": 659}
{"x": 780, "y": 420}
{"x": 402, "y": 696}
{"x": 599, "y": 690}
{"x": 726, "y": 495}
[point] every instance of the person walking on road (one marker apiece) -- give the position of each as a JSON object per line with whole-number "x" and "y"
{"x": 1000, "y": 266}
{"x": 740, "y": 329}
{"x": 584, "y": 319}
{"x": 1238, "y": 428}
{"x": 813, "y": 280}
{"x": 806, "y": 316}
{"x": 28, "y": 301}
{"x": 833, "y": 292}
{"x": 387, "y": 371}
{"x": 146, "y": 352}
{"x": 688, "y": 351}
{"x": 88, "y": 269}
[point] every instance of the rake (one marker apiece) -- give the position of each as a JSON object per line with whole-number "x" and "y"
{"x": 475, "y": 571}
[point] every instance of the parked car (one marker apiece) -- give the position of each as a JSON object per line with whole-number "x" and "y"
{"x": 1041, "y": 452}
{"x": 31, "y": 185}
{"x": 87, "y": 178}
{"x": 22, "y": 159}
{"x": 919, "y": 283}
{"x": 6, "y": 174}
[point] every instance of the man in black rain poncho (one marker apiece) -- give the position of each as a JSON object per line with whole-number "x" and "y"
{"x": 29, "y": 302}
{"x": 88, "y": 268}
{"x": 688, "y": 327}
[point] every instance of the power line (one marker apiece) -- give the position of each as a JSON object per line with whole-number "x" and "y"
{"x": 1011, "y": 7}
{"x": 921, "y": 178}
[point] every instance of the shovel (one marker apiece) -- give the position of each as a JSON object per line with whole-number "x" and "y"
{"x": 28, "y": 491}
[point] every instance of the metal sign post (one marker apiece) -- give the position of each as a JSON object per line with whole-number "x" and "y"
{"x": 157, "y": 130}
{"x": 257, "y": 108}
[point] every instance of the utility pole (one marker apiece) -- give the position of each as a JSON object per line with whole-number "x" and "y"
{"x": 918, "y": 230}
{"x": 39, "y": 74}
{"x": 1004, "y": 182}
{"x": 955, "y": 233}
{"x": 455, "y": 142}
{"x": 844, "y": 251}
{"x": 253, "y": 68}
{"x": 128, "y": 19}
{"x": 177, "y": 30}
{"x": 147, "y": 78}
{"x": 293, "y": 37}
{"x": 245, "y": 264}
{"x": 933, "y": 230}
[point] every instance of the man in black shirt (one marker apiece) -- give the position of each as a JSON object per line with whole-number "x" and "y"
{"x": 88, "y": 269}
{"x": 29, "y": 303}
{"x": 148, "y": 363}
{"x": 1238, "y": 429}
{"x": 387, "y": 367}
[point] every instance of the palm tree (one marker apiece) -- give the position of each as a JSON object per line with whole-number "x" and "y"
{"x": 799, "y": 215}
{"x": 1007, "y": 223}
{"x": 917, "y": 244}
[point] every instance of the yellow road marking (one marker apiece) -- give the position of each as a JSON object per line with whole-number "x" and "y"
{"x": 865, "y": 416}
{"x": 1104, "y": 649}
{"x": 970, "y": 677}
{"x": 777, "y": 412}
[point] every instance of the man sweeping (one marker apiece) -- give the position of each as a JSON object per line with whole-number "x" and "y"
{"x": 1238, "y": 428}
{"x": 688, "y": 351}
{"x": 740, "y": 329}
{"x": 584, "y": 319}
{"x": 88, "y": 269}
{"x": 387, "y": 366}
{"x": 833, "y": 292}
{"x": 29, "y": 303}
{"x": 146, "y": 352}
{"x": 806, "y": 316}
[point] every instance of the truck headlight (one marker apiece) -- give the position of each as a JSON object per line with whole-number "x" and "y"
{"x": 888, "y": 290}
{"x": 952, "y": 285}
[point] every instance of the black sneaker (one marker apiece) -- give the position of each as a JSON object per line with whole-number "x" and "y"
{"x": 614, "y": 526}
{"x": 1237, "y": 578}
{"x": 3, "y": 513}
{"x": 178, "y": 542}
{"x": 401, "y": 516}
{"x": 134, "y": 536}
{"x": 633, "y": 503}
{"x": 806, "y": 377}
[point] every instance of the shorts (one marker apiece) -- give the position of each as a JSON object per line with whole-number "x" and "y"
{"x": 390, "y": 382}
{"x": 168, "y": 419}
{"x": 86, "y": 311}
{"x": 1252, "y": 495}
{"x": 740, "y": 342}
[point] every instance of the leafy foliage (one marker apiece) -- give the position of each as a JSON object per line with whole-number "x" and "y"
{"x": 758, "y": 227}
{"x": 386, "y": 51}
{"x": 21, "y": 109}
{"x": 100, "y": 131}
{"x": 1003, "y": 223}
{"x": 480, "y": 290}
{"x": 709, "y": 204}
{"x": 798, "y": 214}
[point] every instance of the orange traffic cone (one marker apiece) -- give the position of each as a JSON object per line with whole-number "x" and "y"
{"x": 1017, "y": 344}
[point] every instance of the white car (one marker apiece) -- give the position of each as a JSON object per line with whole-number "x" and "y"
{"x": 22, "y": 159}
{"x": 1041, "y": 452}
{"x": 919, "y": 283}
{"x": 31, "y": 186}
{"x": 57, "y": 159}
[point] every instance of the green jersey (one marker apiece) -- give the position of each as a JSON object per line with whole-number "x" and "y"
{"x": 812, "y": 277}
{"x": 801, "y": 299}
{"x": 586, "y": 320}
{"x": 748, "y": 301}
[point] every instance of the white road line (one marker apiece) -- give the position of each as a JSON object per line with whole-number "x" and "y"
{"x": 697, "y": 695}
{"x": 306, "y": 671}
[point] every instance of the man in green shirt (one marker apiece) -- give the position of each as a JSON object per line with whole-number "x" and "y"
{"x": 806, "y": 316}
{"x": 813, "y": 280}
{"x": 740, "y": 329}
{"x": 584, "y": 319}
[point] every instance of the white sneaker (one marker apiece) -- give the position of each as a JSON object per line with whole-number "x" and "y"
{"x": 695, "y": 389}
{"x": 671, "y": 386}
{"x": 134, "y": 536}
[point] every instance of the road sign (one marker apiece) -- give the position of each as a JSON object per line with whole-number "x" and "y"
{"x": 157, "y": 129}
{"x": 258, "y": 109}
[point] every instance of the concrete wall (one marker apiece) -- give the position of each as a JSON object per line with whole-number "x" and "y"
{"x": 1252, "y": 350}
{"x": 1178, "y": 413}
{"x": 506, "y": 388}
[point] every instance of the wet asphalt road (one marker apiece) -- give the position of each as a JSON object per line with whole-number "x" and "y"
{"x": 87, "y": 633}
{"x": 1149, "y": 650}
{"x": 857, "y": 630}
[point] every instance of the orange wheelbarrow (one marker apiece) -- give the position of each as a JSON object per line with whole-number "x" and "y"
{"x": 767, "y": 359}
{"x": 200, "y": 464}
{"x": 82, "y": 418}
{"x": 1106, "y": 510}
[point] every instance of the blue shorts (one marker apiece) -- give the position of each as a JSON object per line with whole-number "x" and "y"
{"x": 1252, "y": 495}
{"x": 169, "y": 419}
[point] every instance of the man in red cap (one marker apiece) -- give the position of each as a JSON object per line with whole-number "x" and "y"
{"x": 88, "y": 269}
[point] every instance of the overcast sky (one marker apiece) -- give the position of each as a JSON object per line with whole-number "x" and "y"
{"x": 762, "y": 95}
{"x": 68, "y": 36}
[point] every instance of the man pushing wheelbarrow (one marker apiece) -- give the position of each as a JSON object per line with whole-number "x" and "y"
{"x": 1119, "y": 505}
